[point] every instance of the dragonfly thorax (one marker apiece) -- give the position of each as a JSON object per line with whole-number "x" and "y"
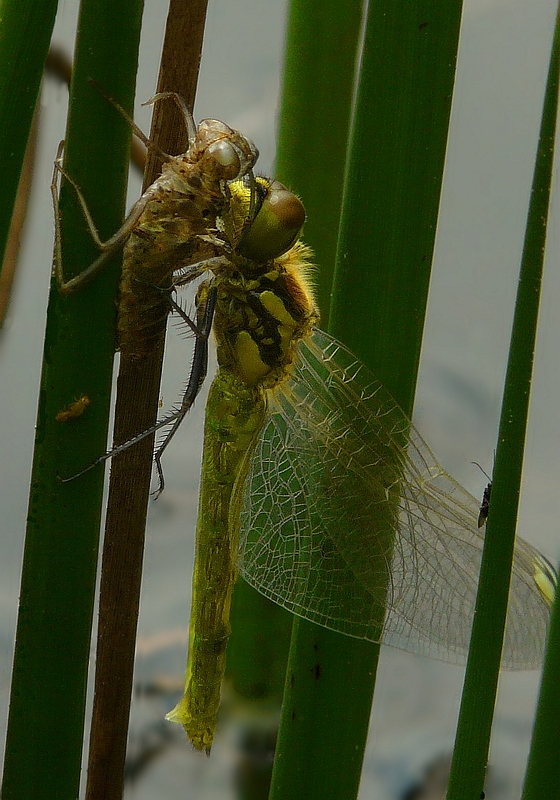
{"x": 260, "y": 320}
{"x": 265, "y": 303}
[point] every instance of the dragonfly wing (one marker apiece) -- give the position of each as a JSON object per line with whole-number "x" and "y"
{"x": 336, "y": 470}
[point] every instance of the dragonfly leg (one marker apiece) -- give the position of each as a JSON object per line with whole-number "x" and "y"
{"x": 205, "y": 316}
{"x": 188, "y": 118}
{"x": 177, "y": 309}
{"x": 186, "y": 274}
{"x": 108, "y": 247}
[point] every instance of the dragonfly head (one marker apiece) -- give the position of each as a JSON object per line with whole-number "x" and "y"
{"x": 277, "y": 223}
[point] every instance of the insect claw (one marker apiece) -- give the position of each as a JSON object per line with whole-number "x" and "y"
{"x": 156, "y": 494}
{"x": 183, "y": 108}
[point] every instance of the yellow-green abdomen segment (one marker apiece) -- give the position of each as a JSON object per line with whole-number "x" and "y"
{"x": 234, "y": 415}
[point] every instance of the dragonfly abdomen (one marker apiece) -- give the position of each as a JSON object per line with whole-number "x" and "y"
{"x": 234, "y": 415}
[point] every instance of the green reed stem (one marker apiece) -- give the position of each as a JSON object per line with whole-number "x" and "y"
{"x": 391, "y": 197}
{"x": 481, "y": 680}
{"x": 45, "y": 728}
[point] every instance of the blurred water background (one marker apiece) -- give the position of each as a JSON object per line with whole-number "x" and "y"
{"x": 496, "y": 112}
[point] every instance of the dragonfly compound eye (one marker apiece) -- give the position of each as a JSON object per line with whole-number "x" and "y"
{"x": 276, "y": 226}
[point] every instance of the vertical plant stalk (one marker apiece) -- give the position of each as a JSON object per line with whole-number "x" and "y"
{"x": 543, "y": 777}
{"x": 389, "y": 213}
{"x": 322, "y": 49}
{"x": 319, "y": 68}
{"x": 131, "y": 470}
{"x": 47, "y": 705}
{"x": 472, "y": 741}
{"x": 59, "y": 65}
{"x": 25, "y": 33}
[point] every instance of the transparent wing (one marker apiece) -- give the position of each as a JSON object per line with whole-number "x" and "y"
{"x": 331, "y": 477}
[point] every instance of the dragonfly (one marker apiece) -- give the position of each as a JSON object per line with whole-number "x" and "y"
{"x": 316, "y": 487}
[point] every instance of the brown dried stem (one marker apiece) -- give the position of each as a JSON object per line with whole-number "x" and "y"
{"x": 131, "y": 471}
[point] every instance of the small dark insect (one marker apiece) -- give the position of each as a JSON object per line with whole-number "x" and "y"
{"x": 484, "y": 506}
{"x": 484, "y": 509}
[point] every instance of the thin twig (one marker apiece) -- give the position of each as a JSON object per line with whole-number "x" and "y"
{"x": 9, "y": 267}
{"x": 131, "y": 471}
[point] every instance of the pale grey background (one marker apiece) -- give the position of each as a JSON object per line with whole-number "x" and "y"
{"x": 500, "y": 82}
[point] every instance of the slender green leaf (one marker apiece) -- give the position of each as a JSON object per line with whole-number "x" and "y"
{"x": 321, "y": 50}
{"x": 322, "y": 47}
{"x": 25, "y": 33}
{"x": 483, "y": 666}
{"x": 390, "y": 206}
{"x": 45, "y": 729}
